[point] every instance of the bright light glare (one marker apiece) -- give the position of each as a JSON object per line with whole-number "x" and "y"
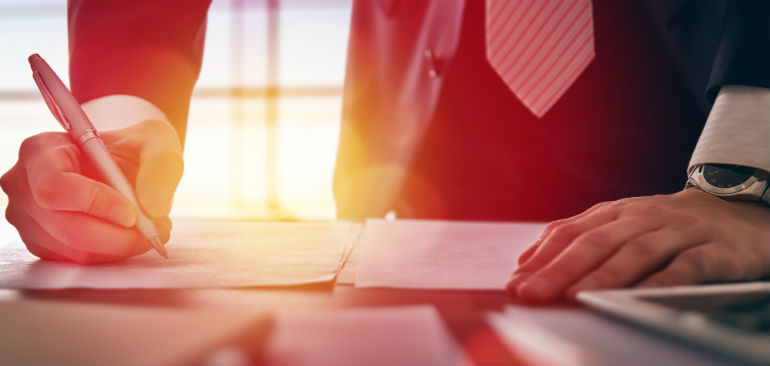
{"x": 225, "y": 163}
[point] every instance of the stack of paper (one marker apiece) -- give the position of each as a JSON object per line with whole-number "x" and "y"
{"x": 441, "y": 254}
{"x": 201, "y": 254}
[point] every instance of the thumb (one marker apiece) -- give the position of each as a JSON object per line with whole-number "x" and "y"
{"x": 160, "y": 169}
{"x": 156, "y": 180}
{"x": 158, "y": 151}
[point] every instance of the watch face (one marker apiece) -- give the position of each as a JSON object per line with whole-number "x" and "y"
{"x": 726, "y": 176}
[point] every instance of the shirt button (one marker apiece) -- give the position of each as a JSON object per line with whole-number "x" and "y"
{"x": 431, "y": 62}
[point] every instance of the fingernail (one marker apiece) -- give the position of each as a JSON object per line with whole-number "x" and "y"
{"x": 515, "y": 280}
{"x": 536, "y": 289}
{"x": 122, "y": 214}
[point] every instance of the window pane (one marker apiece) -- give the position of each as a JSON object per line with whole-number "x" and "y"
{"x": 31, "y": 28}
{"x": 313, "y": 44}
{"x": 307, "y": 145}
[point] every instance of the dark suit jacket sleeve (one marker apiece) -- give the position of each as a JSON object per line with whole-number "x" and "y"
{"x": 148, "y": 48}
{"x": 742, "y": 55}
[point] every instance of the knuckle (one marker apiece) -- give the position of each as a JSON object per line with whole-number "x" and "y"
{"x": 11, "y": 216}
{"x": 535, "y": 263}
{"x": 5, "y": 180}
{"x": 594, "y": 239}
{"x": 551, "y": 226}
{"x": 734, "y": 271}
{"x": 597, "y": 206}
{"x": 564, "y": 231}
{"x": 32, "y": 144}
{"x": 648, "y": 209}
{"x": 623, "y": 202}
{"x": 606, "y": 205}
{"x": 612, "y": 272}
{"x": 609, "y": 273}
{"x": 671, "y": 276}
{"x": 45, "y": 193}
{"x": 559, "y": 274}
{"x": 643, "y": 248}
{"x": 94, "y": 199}
{"x": 698, "y": 261}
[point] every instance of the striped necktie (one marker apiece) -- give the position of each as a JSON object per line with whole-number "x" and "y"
{"x": 539, "y": 47}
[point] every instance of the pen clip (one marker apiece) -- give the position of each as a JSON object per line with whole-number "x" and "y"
{"x": 49, "y": 100}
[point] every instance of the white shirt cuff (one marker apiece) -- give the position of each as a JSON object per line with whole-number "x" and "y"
{"x": 737, "y": 131}
{"x": 113, "y": 112}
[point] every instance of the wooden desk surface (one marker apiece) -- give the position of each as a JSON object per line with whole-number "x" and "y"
{"x": 462, "y": 311}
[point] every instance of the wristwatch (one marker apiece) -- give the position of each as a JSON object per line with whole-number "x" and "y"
{"x": 731, "y": 182}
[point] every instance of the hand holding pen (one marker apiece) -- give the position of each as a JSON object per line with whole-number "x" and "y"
{"x": 88, "y": 197}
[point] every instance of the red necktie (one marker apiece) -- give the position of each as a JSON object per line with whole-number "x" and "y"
{"x": 539, "y": 48}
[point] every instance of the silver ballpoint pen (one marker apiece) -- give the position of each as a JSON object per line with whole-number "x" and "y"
{"x": 72, "y": 117}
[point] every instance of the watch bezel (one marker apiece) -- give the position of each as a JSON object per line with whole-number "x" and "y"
{"x": 734, "y": 189}
{"x": 700, "y": 181}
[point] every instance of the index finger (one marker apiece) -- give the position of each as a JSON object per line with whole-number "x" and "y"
{"x": 55, "y": 183}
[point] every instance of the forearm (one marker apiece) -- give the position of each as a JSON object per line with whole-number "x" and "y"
{"x": 148, "y": 49}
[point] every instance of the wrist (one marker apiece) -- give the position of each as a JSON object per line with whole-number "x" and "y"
{"x": 118, "y": 111}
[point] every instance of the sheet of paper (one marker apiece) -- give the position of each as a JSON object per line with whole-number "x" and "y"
{"x": 441, "y": 254}
{"x": 38, "y": 332}
{"x": 347, "y": 275}
{"x": 201, "y": 254}
{"x": 406, "y": 335}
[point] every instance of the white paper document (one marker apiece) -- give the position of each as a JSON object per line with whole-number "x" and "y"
{"x": 402, "y": 335}
{"x": 347, "y": 275}
{"x": 441, "y": 254}
{"x": 201, "y": 254}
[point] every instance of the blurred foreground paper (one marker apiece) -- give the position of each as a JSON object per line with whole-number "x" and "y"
{"x": 44, "y": 332}
{"x": 441, "y": 254}
{"x": 201, "y": 254}
{"x": 401, "y": 335}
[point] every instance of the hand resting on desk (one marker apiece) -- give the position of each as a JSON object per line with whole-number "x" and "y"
{"x": 64, "y": 212}
{"x": 689, "y": 237}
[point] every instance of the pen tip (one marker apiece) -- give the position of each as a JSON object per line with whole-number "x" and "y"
{"x": 158, "y": 245}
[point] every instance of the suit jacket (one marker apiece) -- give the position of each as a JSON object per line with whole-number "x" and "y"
{"x": 430, "y": 130}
